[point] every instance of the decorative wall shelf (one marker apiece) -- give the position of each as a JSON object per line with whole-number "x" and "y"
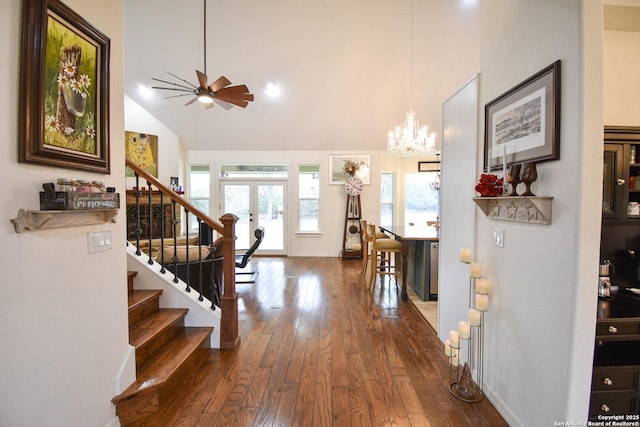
{"x": 529, "y": 209}
{"x": 41, "y": 220}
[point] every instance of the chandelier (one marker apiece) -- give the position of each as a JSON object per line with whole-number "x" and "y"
{"x": 409, "y": 140}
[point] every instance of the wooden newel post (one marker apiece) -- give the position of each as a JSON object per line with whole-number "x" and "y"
{"x": 229, "y": 301}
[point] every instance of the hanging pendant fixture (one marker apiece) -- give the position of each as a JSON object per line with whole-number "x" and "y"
{"x": 219, "y": 91}
{"x": 409, "y": 140}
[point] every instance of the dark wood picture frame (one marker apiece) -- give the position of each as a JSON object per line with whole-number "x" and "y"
{"x": 77, "y": 136}
{"x": 525, "y": 120}
{"x": 429, "y": 166}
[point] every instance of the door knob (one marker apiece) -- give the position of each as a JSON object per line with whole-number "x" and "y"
{"x": 621, "y": 181}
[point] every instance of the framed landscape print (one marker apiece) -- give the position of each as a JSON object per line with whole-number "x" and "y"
{"x": 64, "y": 89}
{"x": 523, "y": 124}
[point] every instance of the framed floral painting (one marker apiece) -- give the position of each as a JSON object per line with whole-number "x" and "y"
{"x": 341, "y": 167}
{"x": 64, "y": 89}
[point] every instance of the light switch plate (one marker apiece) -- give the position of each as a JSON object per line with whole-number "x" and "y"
{"x": 498, "y": 237}
{"x": 98, "y": 241}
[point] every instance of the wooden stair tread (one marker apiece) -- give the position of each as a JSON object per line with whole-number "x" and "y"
{"x": 148, "y": 328}
{"x": 158, "y": 369}
{"x": 139, "y": 297}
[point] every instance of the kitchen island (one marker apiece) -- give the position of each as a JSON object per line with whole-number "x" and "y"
{"x": 420, "y": 246}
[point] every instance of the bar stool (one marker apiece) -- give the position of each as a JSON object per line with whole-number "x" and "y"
{"x": 366, "y": 243}
{"x": 382, "y": 251}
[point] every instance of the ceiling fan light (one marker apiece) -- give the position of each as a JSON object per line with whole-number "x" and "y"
{"x": 205, "y": 98}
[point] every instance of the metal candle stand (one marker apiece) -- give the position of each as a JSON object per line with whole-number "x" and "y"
{"x": 462, "y": 384}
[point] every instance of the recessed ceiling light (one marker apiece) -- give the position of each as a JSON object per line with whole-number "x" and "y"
{"x": 272, "y": 90}
{"x": 145, "y": 91}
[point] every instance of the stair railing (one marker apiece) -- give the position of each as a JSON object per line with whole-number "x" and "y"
{"x": 153, "y": 225}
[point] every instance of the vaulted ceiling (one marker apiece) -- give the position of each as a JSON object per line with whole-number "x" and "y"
{"x": 343, "y": 68}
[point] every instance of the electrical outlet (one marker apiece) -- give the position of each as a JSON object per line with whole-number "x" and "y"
{"x": 498, "y": 237}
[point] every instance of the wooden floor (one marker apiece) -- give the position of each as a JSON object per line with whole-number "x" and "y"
{"x": 319, "y": 350}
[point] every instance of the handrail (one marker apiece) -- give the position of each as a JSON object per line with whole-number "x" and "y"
{"x": 175, "y": 196}
{"x": 229, "y": 337}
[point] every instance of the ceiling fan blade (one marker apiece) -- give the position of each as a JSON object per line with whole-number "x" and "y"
{"x": 223, "y": 104}
{"x": 202, "y": 78}
{"x": 172, "y": 83}
{"x": 182, "y": 80}
{"x": 173, "y": 88}
{"x": 234, "y": 89}
{"x": 192, "y": 101}
{"x": 234, "y": 101}
{"x": 221, "y": 82}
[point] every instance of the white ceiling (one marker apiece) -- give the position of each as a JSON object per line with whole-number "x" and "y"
{"x": 343, "y": 67}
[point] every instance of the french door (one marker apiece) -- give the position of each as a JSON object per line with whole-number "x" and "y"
{"x": 257, "y": 203}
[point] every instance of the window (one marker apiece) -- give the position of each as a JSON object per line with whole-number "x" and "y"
{"x": 387, "y": 192}
{"x": 199, "y": 184}
{"x": 308, "y": 196}
{"x": 421, "y": 202}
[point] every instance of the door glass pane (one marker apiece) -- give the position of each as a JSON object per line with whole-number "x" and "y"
{"x": 237, "y": 201}
{"x": 608, "y": 196}
{"x": 271, "y": 215}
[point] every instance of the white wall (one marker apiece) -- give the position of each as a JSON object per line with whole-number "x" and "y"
{"x": 63, "y": 312}
{"x": 170, "y": 150}
{"x": 541, "y": 320}
{"x": 621, "y": 71}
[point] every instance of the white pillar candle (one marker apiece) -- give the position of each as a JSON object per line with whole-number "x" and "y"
{"x": 455, "y": 360}
{"x": 482, "y": 302}
{"x": 454, "y": 339}
{"x": 475, "y": 270}
{"x": 474, "y": 317}
{"x": 464, "y": 330}
{"x": 504, "y": 162}
{"x": 447, "y": 347}
{"x": 482, "y": 286}
{"x": 465, "y": 255}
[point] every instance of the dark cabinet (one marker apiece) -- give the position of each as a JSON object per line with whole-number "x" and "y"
{"x": 621, "y": 174}
{"x": 615, "y": 383}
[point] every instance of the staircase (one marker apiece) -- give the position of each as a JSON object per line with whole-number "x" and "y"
{"x": 166, "y": 353}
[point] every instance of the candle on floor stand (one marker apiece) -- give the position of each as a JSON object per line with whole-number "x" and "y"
{"x": 464, "y": 330}
{"x": 482, "y": 302}
{"x": 474, "y": 317}
{"x": 482, "y": 286}
{"x": 455, "y": 359}
{"x": 465, "y": 255}
{"x": 447, "y": 347}
{"x": 475, "y": 270}
{"x": 454, "y": 339}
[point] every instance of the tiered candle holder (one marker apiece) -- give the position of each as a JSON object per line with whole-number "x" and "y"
{"x": 461, "y": 382}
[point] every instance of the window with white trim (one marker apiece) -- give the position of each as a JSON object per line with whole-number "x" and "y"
{"x": 308, "y": 197}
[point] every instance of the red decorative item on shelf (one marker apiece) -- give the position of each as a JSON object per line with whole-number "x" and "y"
{"x": 490, "y": 185}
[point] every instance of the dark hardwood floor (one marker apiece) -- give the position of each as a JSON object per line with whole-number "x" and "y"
{"x": 318, "y": 349}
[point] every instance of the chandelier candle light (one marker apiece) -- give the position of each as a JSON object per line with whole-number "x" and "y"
{"x": 410, "y": 140}
{"x": 462, "y": 385}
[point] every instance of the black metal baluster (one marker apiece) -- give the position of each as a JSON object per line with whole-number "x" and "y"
{"x": 200, "y": 298}
{"x": 162, "y": 224}
{"x": 138, "y": 230}
{"x": 188, "y": 276}
{"x": 174, "y": 260}
{"x": 150, "y": 221}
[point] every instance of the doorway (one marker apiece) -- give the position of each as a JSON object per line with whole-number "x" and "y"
{"x": 257, "y": 203}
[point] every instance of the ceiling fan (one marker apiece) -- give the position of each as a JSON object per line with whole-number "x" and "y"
{"x": 219, "y": 91}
